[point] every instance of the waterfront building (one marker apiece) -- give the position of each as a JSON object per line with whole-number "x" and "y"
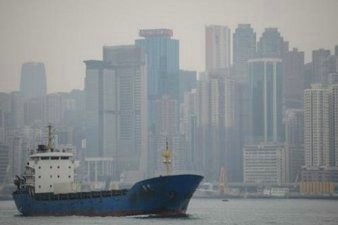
{"x": 4, "y": 160}
{"x": 217, "y": 48}
{"x": 334, "y": 122}
{"x": 317, "y": 127}
{"x": 264, "y": 164}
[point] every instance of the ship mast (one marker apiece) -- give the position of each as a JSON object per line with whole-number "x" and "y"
{"x": 167, "y": 155}
{"x": 50, "y": 138}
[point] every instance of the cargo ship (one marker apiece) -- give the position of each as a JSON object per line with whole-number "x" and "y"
{"x": 48, "y": 188}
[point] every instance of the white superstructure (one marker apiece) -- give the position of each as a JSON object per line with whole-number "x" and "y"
{"x": 51, "y": 170}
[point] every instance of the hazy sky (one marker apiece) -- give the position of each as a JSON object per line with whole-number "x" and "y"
{"x": 63, "y": 33}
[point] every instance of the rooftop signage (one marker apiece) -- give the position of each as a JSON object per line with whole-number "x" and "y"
{"x": 156, "y": 33}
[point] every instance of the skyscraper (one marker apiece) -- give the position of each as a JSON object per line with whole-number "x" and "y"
{"x": 116, "y": 110}
{"x": 265, "y": 75}
{"x": 271, "y": 44}
{"x": 319, "y": 58}
{"x": 33, "y": 80}
{"x": 293, "y": 79}
{"x": 217, "y": 48}
{"x": 294, "y": 143}
{"x": 244, "y": 48}
{"x": 162, "y": 64}
{"x": 208, "y": 120}
{"x": 320, "y": 131}
{"x": 334, "y": 122}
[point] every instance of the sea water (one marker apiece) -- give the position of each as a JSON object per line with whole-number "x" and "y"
{"x": 205, "y": 211}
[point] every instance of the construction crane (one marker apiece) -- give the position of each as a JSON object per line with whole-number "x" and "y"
{"x": 222, "y": 182}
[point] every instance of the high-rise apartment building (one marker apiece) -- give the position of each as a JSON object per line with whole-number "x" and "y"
{"x": 244, "y": 48}
{"x": 334, "y": 122}
{"x": 162, "y": 52}
{"x": 192, "y": 155}
{"x": 4, "y": 158}
{"x": 116, "y": 108}
{"x": 33, "y": 80}
{"x": 265, "y": 77}
{"x": 320, "y": 131}
{"x": 217, "y": 48}
{"x": 317, "y": 127}
{"x": 208, "y": 120}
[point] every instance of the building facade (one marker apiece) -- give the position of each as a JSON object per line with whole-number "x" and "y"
{"x": 265, "y": 77}
{"x": 162, "y": 53}
{"x": 33, "y": 82}
{"x": 244, "y": 48}
{"x": 217, "y": 48}
{"x": 264, "y": 164}
{"x": 116, "y": 108}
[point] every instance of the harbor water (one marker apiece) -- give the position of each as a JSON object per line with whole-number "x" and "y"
{"x": 206, "y": 211}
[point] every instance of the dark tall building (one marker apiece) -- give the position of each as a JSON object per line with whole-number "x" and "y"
{"x": 271, "y": 44}
{"x": 33, "y": 80}
{"x": 244, "y": 48}
{"x": 188, "y": 81}
{"x": 294, "y": 143}
{"x": 163, "y": 66}
{"x": 319, "y": 68}
{"x": 265, "y": 100}
{"x": 293, "y": 79}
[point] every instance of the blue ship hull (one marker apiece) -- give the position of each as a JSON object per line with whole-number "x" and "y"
{"x": 164, "y": 195}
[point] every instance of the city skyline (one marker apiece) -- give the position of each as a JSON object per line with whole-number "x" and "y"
{"x": 35, "y": 31}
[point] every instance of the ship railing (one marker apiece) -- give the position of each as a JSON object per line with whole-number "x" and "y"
{"x": 79, "y": 195}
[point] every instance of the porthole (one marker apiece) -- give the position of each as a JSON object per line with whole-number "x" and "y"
{"x": 39, "y": 186}
{"x": 50, "y": 185}
{"x": 51, "y": 167}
